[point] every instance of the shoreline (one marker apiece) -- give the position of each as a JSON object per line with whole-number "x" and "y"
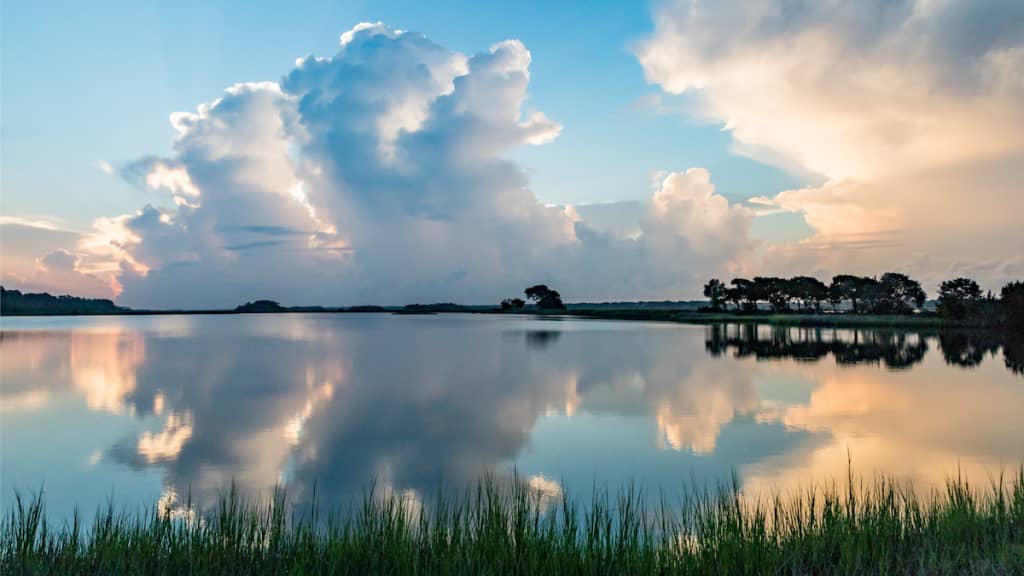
{"x": 923, "y": 321}
{"x": 798, "y": 320}
{"x": 927, "y": 320}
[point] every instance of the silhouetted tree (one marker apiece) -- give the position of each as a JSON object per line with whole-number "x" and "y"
{"x": 808, "y": 291}
{"x": 901, "y": 293}
{"x": 958, "y": 297}
{"x": 1011, "y": 299}
{"x": 545, "y": 297}
{"x": 745, "y": 293}
{"x": 512, "y": 303}
{"x": 847, "y": 287}
{"x": 15, "y": 303}
{"x": 893, "y": 293}
{"x": 775, "y": 290}
{"x": 262, "y": 306}
{"x": 716, "y": 292}
{"x": 873, "y": 297}
{"x": 835, "y": 296}
{"x": 735, "y": 296}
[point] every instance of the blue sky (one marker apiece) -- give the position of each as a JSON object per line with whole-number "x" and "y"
{"x": 118, "y": 69}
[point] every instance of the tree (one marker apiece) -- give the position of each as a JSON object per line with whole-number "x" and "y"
{"x": 958, "y": 297}
{"x": 14, "y": 303}
{"x": 260, "y": 306}
{"x": 775, "y": 290}
{"x": 716, "y": 292}
{"x": 512, "y": 303}
{"x": 735, "y": 297}
{"x": 544, "y": 297}
{"x": 856, "y": 289}
{"x": 809, "y": 291}
{"x": 1011, "y": 299}
{"x": 835, "y": 296}
{"x": 901, "y": 293}
{"x": 873, "y": 298}
{"x": 744, "y": 294}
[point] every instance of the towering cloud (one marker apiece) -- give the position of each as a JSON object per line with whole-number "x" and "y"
{"x": 910, "y": 111}
{"x": 380, "y": 175}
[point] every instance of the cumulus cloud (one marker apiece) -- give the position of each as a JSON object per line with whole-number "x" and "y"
{"x": 34, "y": 257}
{"x": 380, "y": 175}
{"x": 910, "y": 111}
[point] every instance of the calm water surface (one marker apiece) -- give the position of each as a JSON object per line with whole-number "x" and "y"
{"x": 139, "y": 409}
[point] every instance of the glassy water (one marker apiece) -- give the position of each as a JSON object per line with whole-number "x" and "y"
{"x": 139, "y": 409}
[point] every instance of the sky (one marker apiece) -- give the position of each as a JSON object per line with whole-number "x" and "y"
{"x": 203, "y": 154}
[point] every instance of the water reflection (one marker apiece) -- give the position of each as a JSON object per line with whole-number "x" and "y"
{"x": 895, "y": 349}
{"x": 541, "y": 339}
{"x": 100, "y": 365}
{"x": 414, "y": 402}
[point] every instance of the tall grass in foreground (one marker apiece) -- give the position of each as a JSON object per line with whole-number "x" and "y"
{"x": 879, "y": 527}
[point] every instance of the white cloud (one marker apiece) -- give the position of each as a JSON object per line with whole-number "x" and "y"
{"x": 379, "y": 175}
{"x": 41, "y": 223}
{"x": 58, "y": 270}
{"x": 687, "y": 201}
{"x": 911, "y": 111}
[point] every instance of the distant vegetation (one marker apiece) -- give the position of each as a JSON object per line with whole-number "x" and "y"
{"x": 882, "y": 527}
{"x": 434, "y": 308}
{"x": 15, "y": 303}
{"x": 959, "y": 300}
{"x": 512, "y": 304}
{"x": 544, "y": 297}
{"x": 540, "y": 295}
{"x": 893, "y": 293}
{"x": 260, "y": 306}
{"x": 365, "y": 309}
{"x": 846, "y": 300}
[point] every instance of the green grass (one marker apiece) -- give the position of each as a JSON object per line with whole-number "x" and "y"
{"x": 878, "y": 527}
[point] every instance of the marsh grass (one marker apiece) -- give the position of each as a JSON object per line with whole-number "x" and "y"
{"x": 504, "y": 527}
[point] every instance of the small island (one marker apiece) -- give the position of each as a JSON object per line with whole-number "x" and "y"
{"x": 260, "y": 307}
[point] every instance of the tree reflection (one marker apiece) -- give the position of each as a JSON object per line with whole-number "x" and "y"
{"x": 968, "y": 348}
{"x": 540, "y": 339}
{"x": 1013, "y": 353}
{"x": 896, "y": 350}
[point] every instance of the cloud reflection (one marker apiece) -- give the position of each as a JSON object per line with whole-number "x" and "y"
{"x": 419, "y": 402}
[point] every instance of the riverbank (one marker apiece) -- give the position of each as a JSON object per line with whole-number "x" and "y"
{"x": 925, "y": 320}
{"x": 16, "y": 304}
{"x": 871, "y": 528}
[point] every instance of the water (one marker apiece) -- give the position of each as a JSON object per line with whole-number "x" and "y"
{"x": 137, "y": 410}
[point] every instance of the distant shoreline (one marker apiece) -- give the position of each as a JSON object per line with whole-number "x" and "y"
{"x": 17, "y": 304}
{"x": 925, "y": 320}
{"x": 837, "y": 320}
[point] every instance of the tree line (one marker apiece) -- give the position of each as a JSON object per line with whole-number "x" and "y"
{"x": 892, "y": 293}
{"x": 17, "y": 303}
